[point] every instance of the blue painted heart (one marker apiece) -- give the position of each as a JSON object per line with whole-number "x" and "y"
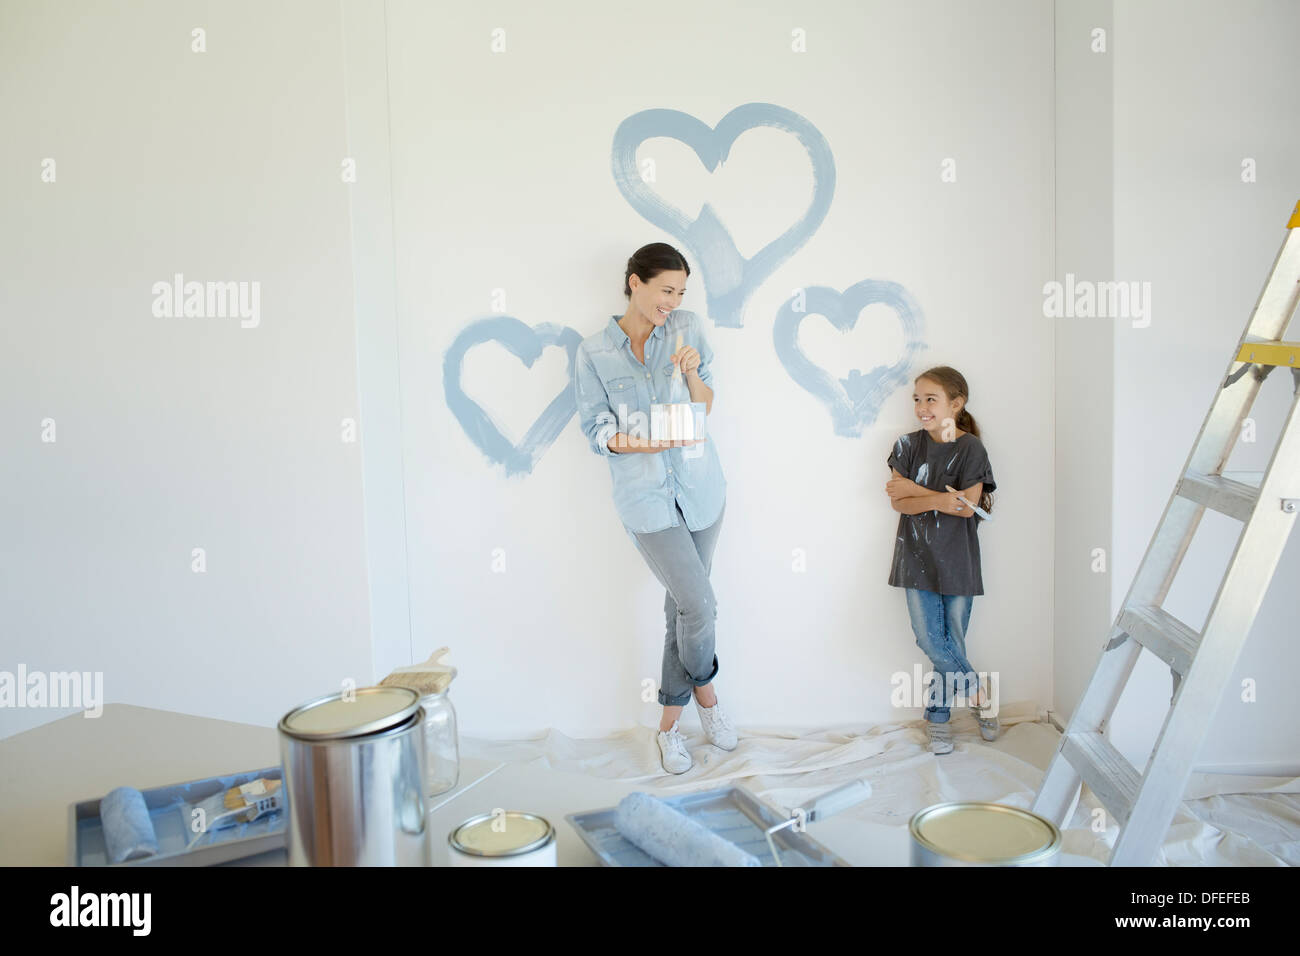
{"x": 526, "y": 343}
{"x": 854, "y": 401}
{"x": 729, "y": 279}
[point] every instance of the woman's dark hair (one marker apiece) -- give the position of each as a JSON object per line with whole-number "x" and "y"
{"x": 953, "y": 384}
{"x": 648, "y": 261}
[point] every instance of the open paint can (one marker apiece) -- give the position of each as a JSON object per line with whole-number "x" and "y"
{"x": 982, "y": 834}
{"x": 354, "y": 773}
{"x": 508, "y": 838}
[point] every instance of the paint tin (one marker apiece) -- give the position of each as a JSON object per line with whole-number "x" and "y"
{"x": 511, "y": 838}
{"x": 677, "y": 421}
{"x": 354, "y": 773}
{"x": 982, "y": 834}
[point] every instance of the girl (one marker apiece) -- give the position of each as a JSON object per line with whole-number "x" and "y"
{"x": 936, "y": 552}
{"x": 669, "y": 496}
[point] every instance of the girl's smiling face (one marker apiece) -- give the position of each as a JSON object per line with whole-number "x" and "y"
{"x": 933, "y": 407}
{"x": 656, "y": 298}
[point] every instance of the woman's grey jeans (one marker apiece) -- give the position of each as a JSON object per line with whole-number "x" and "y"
{"x": 681, "y": 559}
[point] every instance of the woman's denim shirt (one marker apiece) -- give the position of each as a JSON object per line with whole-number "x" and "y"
{"x": 611, "y": 385}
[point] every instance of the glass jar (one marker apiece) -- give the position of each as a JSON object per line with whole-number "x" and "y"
{"x": 441, "y": 744}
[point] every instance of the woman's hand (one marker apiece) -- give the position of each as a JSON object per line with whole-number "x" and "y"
{"x": 904, "y": 488}
{"x": 687, "y": 359}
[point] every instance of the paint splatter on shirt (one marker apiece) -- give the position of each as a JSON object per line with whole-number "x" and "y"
{"x": 934, "y": 551}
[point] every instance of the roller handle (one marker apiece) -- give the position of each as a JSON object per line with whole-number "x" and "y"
{"x": 841, "y": 798}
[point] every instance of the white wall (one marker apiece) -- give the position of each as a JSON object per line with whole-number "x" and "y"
{"x": 1199, "y": 87}
{"x": 178, "y": 433}
{"x": 502, "y": 181}
{"x": 1085, "y": 349}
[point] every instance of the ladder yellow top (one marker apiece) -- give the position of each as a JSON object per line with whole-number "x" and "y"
{"x": 1270, "y": 353}
{"x": 1295, "y": 218}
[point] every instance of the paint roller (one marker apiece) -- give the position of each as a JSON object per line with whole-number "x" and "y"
{"x": 674, "y": 839}
{"x": 128, "y": 831}
{"x": 128, "y": 826}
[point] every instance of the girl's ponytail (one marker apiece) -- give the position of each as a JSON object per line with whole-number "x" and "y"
{"x": 966, "y": 422}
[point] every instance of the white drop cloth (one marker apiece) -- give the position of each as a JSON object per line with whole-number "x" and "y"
{"x": 1225, "y": 819}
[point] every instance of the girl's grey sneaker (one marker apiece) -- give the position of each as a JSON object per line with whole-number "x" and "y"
{"x": 672, "y": 750}
{"x": 717, "y": 727}
{"x": 988, "y": 725}
{"x": 940, "y": 737}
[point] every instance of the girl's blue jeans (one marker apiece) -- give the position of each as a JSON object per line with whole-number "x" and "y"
{"x": 681, "y": 559}
{"x": 939, "y": 622}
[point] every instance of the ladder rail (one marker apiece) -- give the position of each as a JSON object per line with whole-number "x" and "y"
{"x": 1059, "y": 789}
{"x": 1269, "y": 320}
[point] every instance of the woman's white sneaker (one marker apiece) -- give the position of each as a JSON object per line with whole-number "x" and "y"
{"x": 716, "y": 726}
{"x": 672, "y": 750}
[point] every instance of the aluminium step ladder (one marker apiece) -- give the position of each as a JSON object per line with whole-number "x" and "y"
{"x": 1144, "y": 803}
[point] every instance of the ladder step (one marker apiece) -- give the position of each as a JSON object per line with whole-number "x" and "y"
{"x": 1163, "y": 635}
{"x": 1226, "y": 496}
{"x": 1112, "y": 778}
{"x": 1254, "y": 478}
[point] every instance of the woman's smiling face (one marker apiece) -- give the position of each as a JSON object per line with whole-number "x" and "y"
{"x": 932, "y": 406}
{"x": 656, "y": 298}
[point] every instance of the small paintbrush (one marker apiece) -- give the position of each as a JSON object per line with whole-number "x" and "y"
{"x": 426, "y": 678}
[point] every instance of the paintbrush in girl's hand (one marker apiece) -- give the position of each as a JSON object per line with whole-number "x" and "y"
{"x": 975, "y": 508}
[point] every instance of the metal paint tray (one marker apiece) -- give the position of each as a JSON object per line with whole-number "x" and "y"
{"x": 86, "y": 832}
{"x": 733, "y": 813}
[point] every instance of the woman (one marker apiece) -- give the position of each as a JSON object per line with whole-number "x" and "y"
{"x": 669, "y": 495}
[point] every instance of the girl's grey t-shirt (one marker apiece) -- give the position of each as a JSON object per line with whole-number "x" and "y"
{"x": 934, "y": 551}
